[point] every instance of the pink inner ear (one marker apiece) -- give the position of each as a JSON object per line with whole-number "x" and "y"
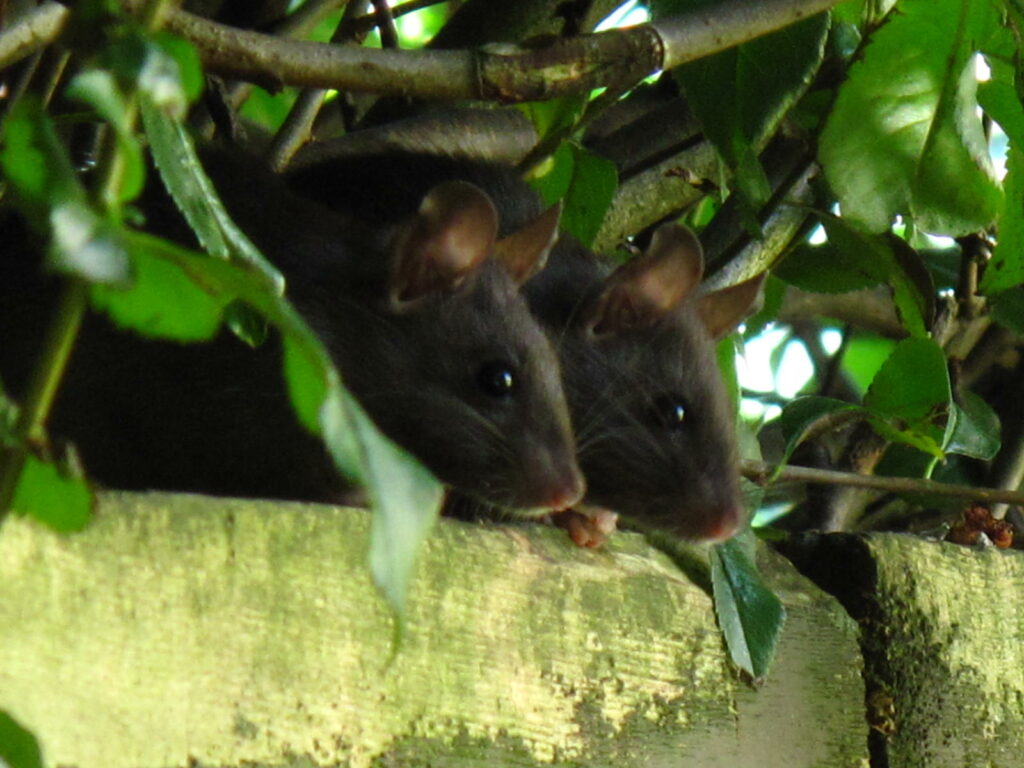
{"x": 646, "y": 289}
{"x": 448, "y": 239}
{"x": 723, "y": 310}
{"x": 525, "y": 251}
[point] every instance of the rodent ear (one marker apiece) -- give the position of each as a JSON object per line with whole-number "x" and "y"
{"x": 525, "y": 251}
{"x": 642, "y": 291}
{"x": 444, "y": 242}
{"x": 723, "y": 310}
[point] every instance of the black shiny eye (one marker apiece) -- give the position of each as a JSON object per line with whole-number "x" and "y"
{"x": 496, "y": 379}
{"x": 670, "y": 411}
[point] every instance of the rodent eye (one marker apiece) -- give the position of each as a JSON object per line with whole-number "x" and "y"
{"x": 670, "y": 411}
{"x": 496, "y": 378}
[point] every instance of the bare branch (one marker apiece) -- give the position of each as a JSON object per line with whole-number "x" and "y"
{"x": 31, "y": 32}
{"x": 698, "y": 33}
{"x": 761, "y": 473}
{"x": 614, "y": 59}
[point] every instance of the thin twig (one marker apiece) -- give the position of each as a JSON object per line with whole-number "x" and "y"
{"x": 43, "y": 386}
{"x": 761, "y": 473}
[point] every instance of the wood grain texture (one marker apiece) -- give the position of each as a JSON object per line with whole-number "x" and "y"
{"x": 943, "y": 643}
{"x": 188, "y": 631}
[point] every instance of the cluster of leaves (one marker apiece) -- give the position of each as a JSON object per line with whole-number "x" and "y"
{"x": 903, "y": 138}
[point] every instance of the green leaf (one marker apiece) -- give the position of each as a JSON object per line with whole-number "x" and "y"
{"x": 594, "y": 180}
{"x": 910, "y": 394}
{"x": 825, "y": 268}
{"x": 1005, "y": 270}
{"x": 194, "y": 194}
{"x": 83, "y": 244}
{"x": 18, "y": 747}
{"x": 758, "y": 95}
{"x": 551, "y": 178}
{"x": 880, "y": 260}
{"x": 48, "y": 192}
{"x": 160, "y": 80}
{"x": 726, "y": 351}
{"x": 52, "y": 497}
{"x": 750, "y": 614}
{"x": 973, "y": 429}
{"x": 1008, "y": 309}
{"x": 554, "y": 115}
{"x": 406, "y": 504}
{"x": 170, "y": 297}
{"x": 913, "y": 144}
{"x": 865, "y": 355}
{"x": 35, "y": 164}
{"x": 585, "y": 183}
{"x": 99, "y": 89}
{"x": 807, "y": 417}
{"x": 190, "y": 70}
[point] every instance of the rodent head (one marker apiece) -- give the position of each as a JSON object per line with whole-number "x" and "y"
{"x": 653, "y": 422}
{"x": 454, "y": 368}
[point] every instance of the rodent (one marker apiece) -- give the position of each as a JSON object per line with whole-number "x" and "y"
{"x": 429, "y": 332}
{"x": 655, "y": 434}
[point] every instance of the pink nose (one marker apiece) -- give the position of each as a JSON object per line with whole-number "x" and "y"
{"x": 566, "y": 494}
{"x": 722, "y": 526}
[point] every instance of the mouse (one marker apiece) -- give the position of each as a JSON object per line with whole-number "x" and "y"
{"x": 654, "y": 426}
{"x": 421, "y": 313}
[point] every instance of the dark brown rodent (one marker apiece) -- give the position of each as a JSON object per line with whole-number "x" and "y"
{"x": 654, "y": 428}
{"x": 429, "y": 331}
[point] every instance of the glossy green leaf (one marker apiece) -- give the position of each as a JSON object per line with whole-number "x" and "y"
{"x": 807, "y": 417}
{"x": 973, "y": 429}
{"x": 52, "y": 497}
{"x": 99, "y": 89}
{"x": 758, "y": 95}
{"x": 913, "y": 144}
{"x": 196, "y": 197}
{"x": 911, "y": 395}
{"x": 18, "y": 747}
{"x": 750, "y": 614}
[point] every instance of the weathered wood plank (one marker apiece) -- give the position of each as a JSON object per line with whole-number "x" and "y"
{"x": 186, "y": 631}
{"x": 943, "y": 644}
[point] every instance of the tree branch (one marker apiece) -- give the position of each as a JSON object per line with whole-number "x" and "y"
{"x": 617, "y": 58}
{"x": 35, "y": 29}
{"x": 761, "y": 473}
